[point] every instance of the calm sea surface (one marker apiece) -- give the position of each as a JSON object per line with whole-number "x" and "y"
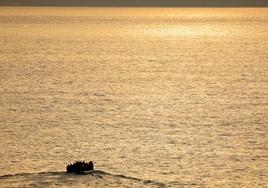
{"x": 155, "y": 97}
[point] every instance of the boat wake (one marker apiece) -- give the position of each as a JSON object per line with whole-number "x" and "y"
{"x": 97, "y": 178}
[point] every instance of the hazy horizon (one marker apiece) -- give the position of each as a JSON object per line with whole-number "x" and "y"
{"x": 137, "y": 3}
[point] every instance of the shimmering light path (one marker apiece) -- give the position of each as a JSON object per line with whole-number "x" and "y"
{"x": 176, "y": 96}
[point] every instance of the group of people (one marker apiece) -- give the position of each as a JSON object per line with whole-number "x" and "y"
{"x": 80, "y": 167}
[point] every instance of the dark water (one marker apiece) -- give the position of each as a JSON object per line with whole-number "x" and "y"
{"x": 155, "y": 97}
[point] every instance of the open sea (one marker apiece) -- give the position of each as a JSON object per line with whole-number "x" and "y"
{"x": 156, "y": 97}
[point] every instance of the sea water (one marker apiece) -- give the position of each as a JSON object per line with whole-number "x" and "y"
{"x": 155, "y": 97}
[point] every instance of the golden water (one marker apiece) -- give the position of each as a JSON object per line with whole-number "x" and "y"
{"x": 163, "y": 97}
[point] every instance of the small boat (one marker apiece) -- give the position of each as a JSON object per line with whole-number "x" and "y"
{"x": 80, "y": 167}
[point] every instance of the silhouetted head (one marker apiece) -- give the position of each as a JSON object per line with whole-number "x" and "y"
{"x": 90, "y": 165}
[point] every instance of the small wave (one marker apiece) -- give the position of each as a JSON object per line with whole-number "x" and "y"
{"x": 147, "y": 182}
{"x": 96, "y": 173}
{"x": 29, "y": 174}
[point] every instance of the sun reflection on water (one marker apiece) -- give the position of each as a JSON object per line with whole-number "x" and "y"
{"x": 185, "y": 30}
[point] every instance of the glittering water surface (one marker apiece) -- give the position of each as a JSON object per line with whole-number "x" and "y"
{"x": 155, "y": 97}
